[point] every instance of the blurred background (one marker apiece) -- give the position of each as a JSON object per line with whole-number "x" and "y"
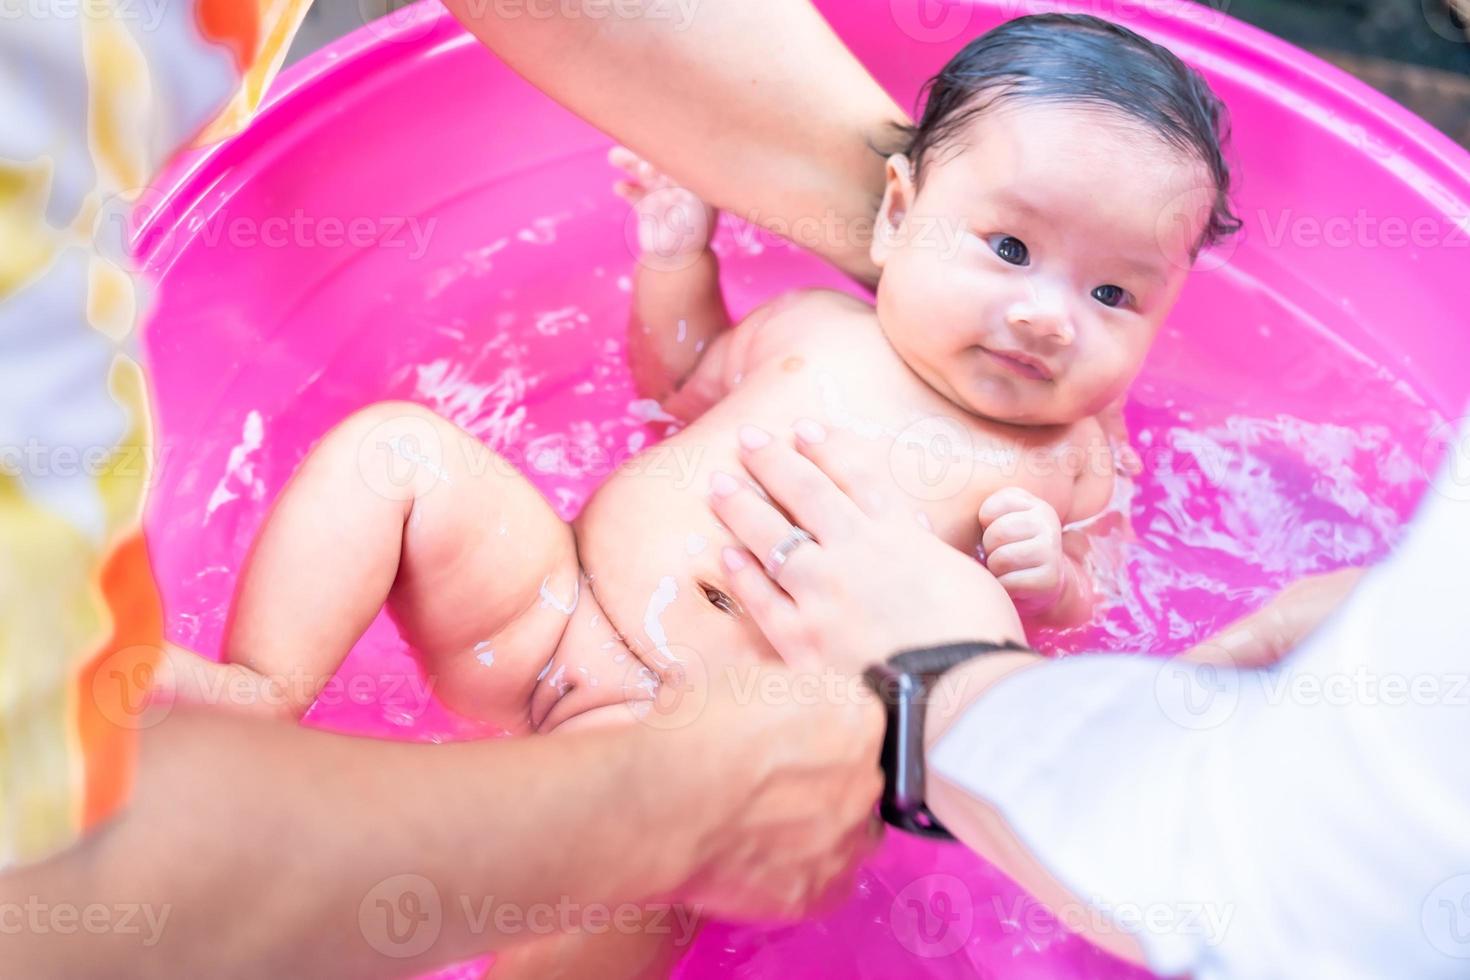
{"x": 1415, "y": 51}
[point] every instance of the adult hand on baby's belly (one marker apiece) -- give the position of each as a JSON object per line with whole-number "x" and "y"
{"x": 873, "y": 582}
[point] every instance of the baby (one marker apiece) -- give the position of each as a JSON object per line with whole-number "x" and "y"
{"x": 1036, "y": 229}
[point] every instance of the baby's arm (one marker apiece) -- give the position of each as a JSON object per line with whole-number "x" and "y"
{"x": 1042, "y": 567}
{"x": 679, "y": 313}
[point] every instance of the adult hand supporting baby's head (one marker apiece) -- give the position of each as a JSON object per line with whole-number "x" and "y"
{"x": 871, "y": 581}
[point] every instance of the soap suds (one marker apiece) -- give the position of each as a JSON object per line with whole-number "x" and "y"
{"x": 399, "y": 449}
{"x": 550, "y": 600}
{"x": 648, "y": 410}
{"x": 240, "y": 468}
{"x": 663, "y": 597}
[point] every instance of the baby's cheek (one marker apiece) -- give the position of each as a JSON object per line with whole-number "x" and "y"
{"x": 933, "y": 283}
{"x": 1104, "y": 371}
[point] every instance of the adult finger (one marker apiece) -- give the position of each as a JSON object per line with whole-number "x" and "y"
{"x": 762, "y": 528}
{"x": 757, "y": 522}
{"x": 772, "y": 610}
{"x": 836, "y": 453}
{"x": 798, "y": 485}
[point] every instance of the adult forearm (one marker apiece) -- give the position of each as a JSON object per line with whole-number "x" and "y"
{"x": 755, "y": 105}
{"x": 1263, "y": 637}
{"x": 1159, "y": 799}
{"x": 977, "y": 824}
{"x": 255, "y": 848}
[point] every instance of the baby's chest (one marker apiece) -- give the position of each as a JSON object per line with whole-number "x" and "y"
{"x": 941, "y": 460}
{"x": 946, "y": 471}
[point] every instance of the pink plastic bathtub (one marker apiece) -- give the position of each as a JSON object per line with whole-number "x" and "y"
{"x": 408, "y": 219}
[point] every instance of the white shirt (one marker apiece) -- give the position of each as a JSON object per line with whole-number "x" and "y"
{"x": 1312, "y": 820}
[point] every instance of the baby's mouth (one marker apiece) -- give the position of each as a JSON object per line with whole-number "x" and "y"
{"x": 1020, "y": 363}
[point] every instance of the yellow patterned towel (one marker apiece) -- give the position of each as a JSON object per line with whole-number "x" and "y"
{"x": 95, "y": 97}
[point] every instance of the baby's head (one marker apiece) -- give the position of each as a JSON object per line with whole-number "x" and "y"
{"x": 1044, "y": 214}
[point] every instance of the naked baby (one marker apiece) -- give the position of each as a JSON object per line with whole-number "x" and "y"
{"x": 1037, "y": 227}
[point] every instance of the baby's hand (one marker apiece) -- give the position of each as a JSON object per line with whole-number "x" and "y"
{"x": 1022, "y": 538}
{"x": 672, "y": 221}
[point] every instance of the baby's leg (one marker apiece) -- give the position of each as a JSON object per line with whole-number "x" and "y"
{"x": 397, "y": 505}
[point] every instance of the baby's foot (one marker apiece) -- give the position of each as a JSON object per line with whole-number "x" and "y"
{"x": 673, "y": 222}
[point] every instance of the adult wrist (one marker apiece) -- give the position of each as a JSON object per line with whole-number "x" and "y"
{"x": 676, "y": 814}
{"x": 962, "y": 687}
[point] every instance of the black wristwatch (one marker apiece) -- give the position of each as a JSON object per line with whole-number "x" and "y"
{"x": 903, "y": 683}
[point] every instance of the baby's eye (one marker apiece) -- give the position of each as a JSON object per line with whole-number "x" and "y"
{"x": 1012, "y": 249}
{"x": 1110, "y": 295}
{"x": 719, "y": 599}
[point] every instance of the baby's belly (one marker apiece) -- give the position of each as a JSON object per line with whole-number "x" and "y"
{"x": 651, "y": 546}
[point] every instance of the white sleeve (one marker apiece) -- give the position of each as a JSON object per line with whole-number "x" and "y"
{"x": 1309, "y": 820}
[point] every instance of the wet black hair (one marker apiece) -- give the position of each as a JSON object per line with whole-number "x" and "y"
{"x": 1078, "y": 58}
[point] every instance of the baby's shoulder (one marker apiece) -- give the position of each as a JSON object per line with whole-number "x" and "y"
{"x": 803, "y": 317}
{"x": 813, "y": 307}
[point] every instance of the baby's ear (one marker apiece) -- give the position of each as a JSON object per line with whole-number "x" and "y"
{"x": 898, "y": 197}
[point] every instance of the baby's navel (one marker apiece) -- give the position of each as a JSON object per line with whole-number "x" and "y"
{"x": 793, "y": 364}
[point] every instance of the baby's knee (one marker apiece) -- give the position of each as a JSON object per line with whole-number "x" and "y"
{"x": 388, "y": 422}
{"x": 399, "y": 450}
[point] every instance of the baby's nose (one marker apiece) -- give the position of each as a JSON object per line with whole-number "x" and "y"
{"x": 1042, "y": 318}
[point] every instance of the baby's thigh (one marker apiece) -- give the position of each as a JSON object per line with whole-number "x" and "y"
{"x": 487, "y": 571}
{"x": 593, "y": 679}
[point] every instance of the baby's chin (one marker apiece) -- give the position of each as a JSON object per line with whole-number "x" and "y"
{"x": 1004, "y": 401}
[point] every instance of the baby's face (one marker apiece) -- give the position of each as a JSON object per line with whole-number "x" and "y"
{"x": 1028, "y": 278}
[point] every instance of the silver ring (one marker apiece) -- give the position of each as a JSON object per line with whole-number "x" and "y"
{"x": 776, "y": 560}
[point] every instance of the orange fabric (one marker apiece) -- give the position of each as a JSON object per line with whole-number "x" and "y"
{"x": 233, "y": 23}
{"x": 112, "y": 686}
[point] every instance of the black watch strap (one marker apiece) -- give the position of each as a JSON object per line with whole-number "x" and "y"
{"x": 903, "y": 684}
